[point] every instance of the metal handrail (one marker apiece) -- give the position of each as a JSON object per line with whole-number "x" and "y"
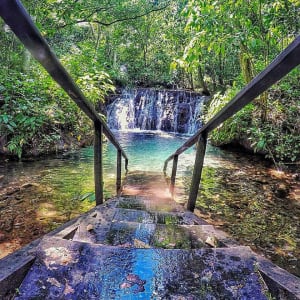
{"x": 17, "y": 18}
{"x": 287, "y": 60}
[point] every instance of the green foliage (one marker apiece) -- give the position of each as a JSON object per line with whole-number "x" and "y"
{"x": 22, "y": 116}
{"x": 35, "y": 112}
{"x": 112, "y": 36}
{"x": 225, "y": 29}
{"x": 210, "y": 45}
{"x": 96, "y": 85}
{"x": 277, "y": 136}
{"x": 232, "y": 41}
{"x": 234, "y": 128}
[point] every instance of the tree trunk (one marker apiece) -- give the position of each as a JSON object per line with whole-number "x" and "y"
{"x": 202, "y": 82}
{"x": 191, "y": 81}
{"x": 246, "y": 67}
{"x": 248, "y": 75}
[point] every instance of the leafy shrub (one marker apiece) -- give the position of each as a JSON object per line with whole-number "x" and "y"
{"x": 35, "y": 111}
{"x": 277, "y": 135}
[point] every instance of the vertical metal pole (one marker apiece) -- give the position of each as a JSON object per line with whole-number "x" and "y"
{"x": 201, "y": 147}
{"x": 98, "y": 164}
{"x": 119, "y": 170}
{"x": 173, "y": 176}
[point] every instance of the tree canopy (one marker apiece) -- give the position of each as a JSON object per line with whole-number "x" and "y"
{"x": 211, "y": 46}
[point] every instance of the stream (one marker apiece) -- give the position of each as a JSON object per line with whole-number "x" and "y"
{"x": 241, "y": 194}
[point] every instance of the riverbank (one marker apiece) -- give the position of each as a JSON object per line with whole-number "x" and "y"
{"x": 257, "y": 204}
{"x": 27, "y": 212}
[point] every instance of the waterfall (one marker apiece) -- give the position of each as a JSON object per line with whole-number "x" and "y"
{"x": 150, "y": 109}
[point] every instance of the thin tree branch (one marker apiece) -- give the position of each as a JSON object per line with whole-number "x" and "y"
{"x": 115, "y": 21}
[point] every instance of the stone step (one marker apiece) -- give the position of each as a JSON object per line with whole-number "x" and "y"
{"x": 128, "y": 225}
{"x": 149, "y": 204}
{"x": 157, "y": 217}
{"x": 151, "y": 235}
{"x": 73, "y": 270}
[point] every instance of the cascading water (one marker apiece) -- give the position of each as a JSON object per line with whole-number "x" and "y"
{"x": 150, "y": 109}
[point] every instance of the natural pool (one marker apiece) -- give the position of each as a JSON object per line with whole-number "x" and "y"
{"x": 238, "y": 193}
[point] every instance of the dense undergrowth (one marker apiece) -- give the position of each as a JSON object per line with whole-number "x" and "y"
{"x": 36, "y": 114}
{"x": 269, "y": 126}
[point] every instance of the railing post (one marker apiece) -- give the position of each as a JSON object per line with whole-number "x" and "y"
{"x": 119, "y": 171}
{"x": 98, "y": 163}
{"x": 201, "y": 147}
{"x": 173, "y": 176}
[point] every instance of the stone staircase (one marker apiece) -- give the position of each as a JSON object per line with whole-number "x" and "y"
{"x": 143, "y": 245}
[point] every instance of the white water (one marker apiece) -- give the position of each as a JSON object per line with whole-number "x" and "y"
{"x": 149, "y": 109}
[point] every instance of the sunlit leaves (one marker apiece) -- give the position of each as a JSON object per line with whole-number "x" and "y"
{"x": 257, "y": 25}
{"x": 96, "y": 85}
{"x": 105, "y": 12}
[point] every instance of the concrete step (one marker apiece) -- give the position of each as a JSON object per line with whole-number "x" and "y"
{"x": 141, "y": 245}
{"x": 156, "y": 217}
{"x": 124, "y": 226}
{"x": 95, "y": 227}
{"x": 149, "y": 204}
{"x": 73, "y": 270}
{"x": 151, "y": 235}
{"x": 121, "y": 225}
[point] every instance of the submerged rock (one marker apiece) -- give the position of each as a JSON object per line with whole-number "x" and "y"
{"x": 281, "y": 190}
{"x": 2, "y": 237}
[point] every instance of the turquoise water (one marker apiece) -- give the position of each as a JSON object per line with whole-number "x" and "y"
{"x": 147, "y": 150}
{"x": 71, "y": 174}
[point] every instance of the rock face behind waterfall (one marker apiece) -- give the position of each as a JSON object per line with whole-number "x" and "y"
{"x": 150, "y": 109}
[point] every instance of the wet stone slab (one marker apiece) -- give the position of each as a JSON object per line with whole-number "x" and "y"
{"x": 140, "y": 216}
{"x": 132, "y": 215}
{"x": 86, "y": 231}
{"x": 138, "y": 235}
{"x": 131, "y": 203}
{"x": 130, "y": 235}
{"x": 74, "y": 270}
{"x": 149, "y": 204}
{"x": 176, "y": 237}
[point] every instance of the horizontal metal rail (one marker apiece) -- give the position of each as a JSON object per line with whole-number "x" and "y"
{"x": 15, "y": 15}
{"x": 282, "y": 65}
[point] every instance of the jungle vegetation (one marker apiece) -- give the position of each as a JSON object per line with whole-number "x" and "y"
{"x": 211, "y": 46}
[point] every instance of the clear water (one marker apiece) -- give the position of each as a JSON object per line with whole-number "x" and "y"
{"x": 147, "y": 150}
{"x": 234, "y": 189}
{"x": 72, "y": 174}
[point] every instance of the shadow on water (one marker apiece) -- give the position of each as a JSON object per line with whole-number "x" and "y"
{"x": 239, "y": 194}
